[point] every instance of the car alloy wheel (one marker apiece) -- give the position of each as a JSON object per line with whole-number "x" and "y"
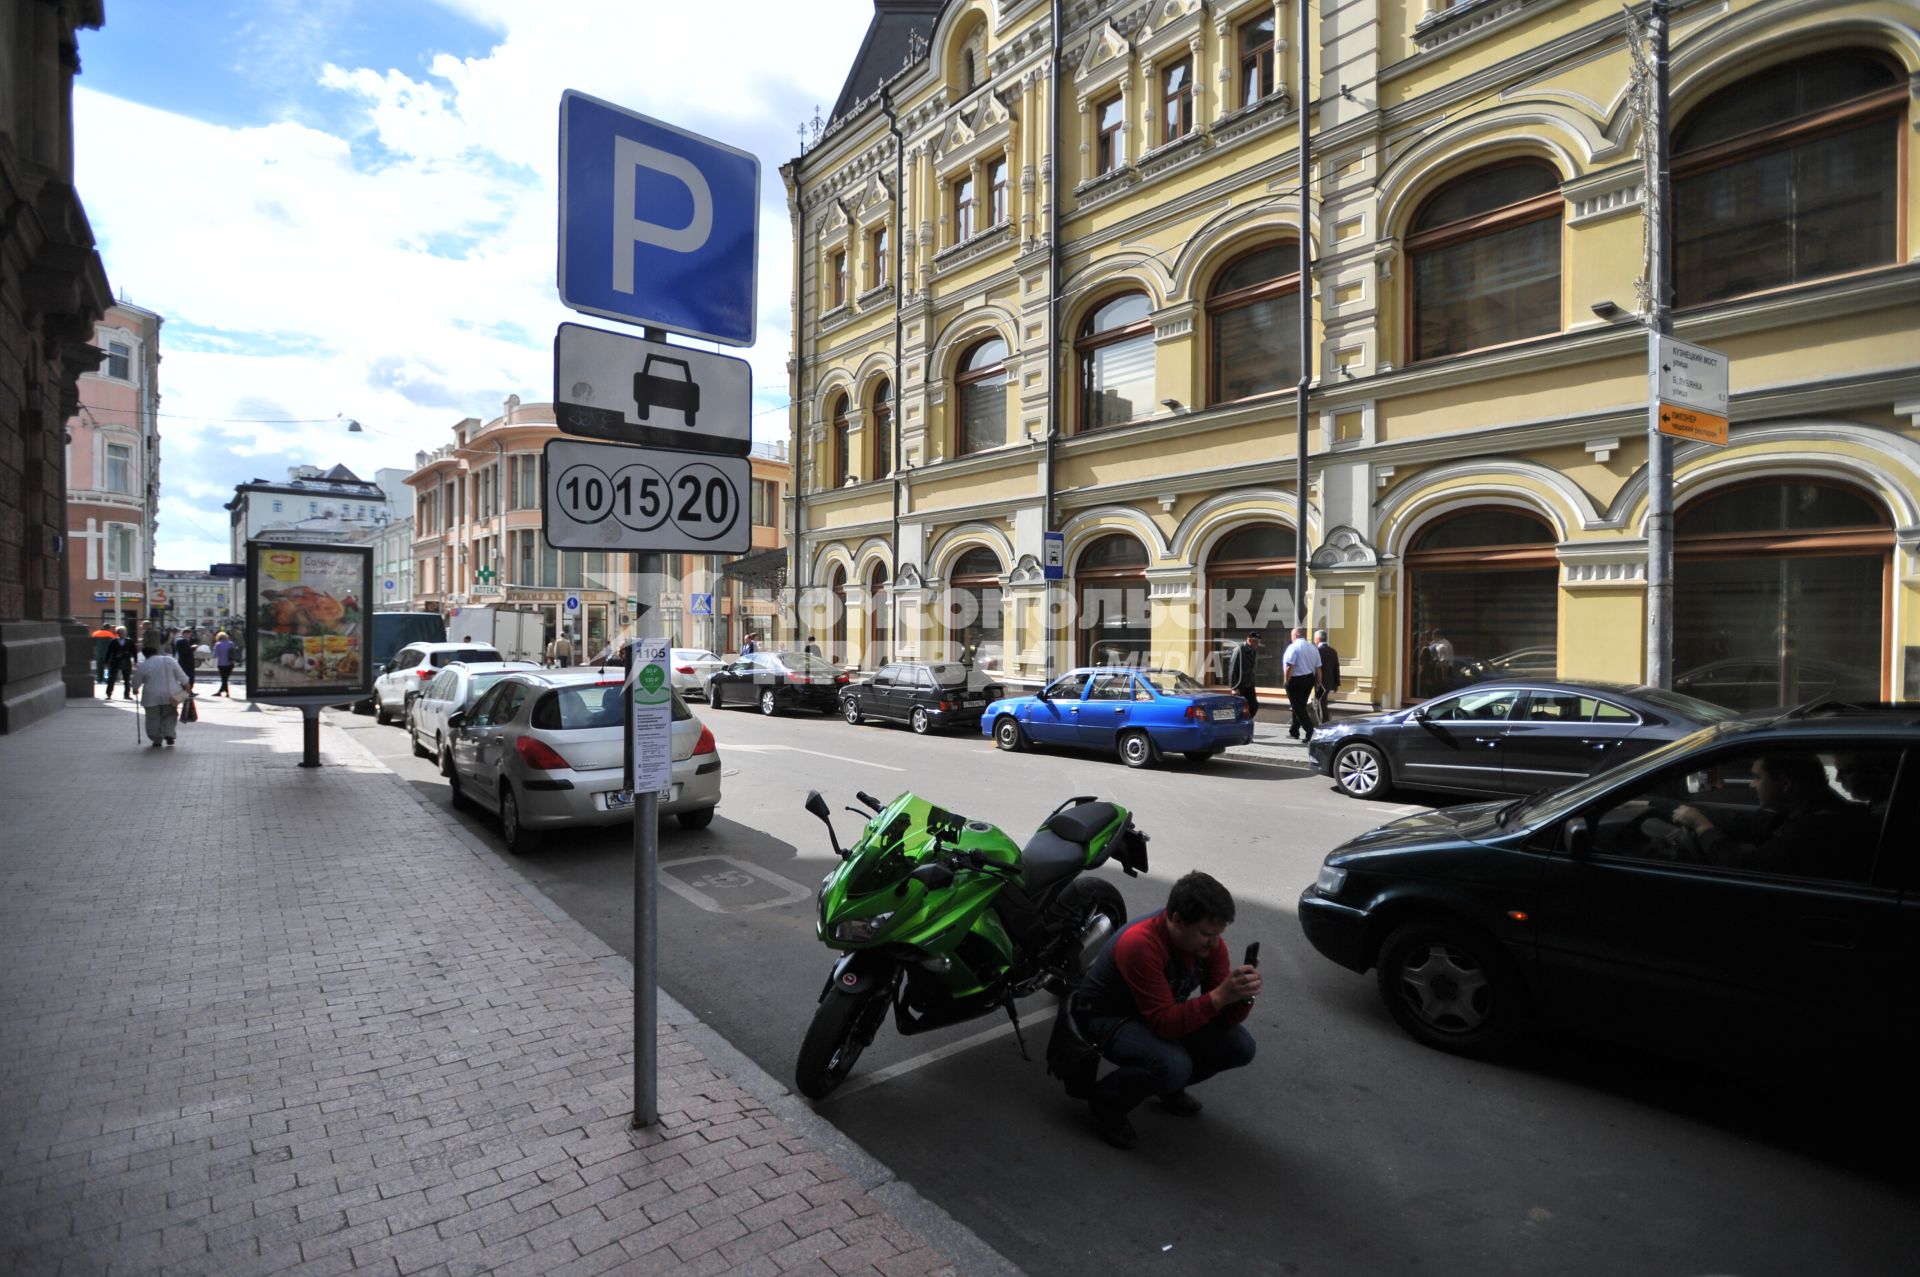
{"x": 520, "y": 839}
{"x": 920, "y": 722}
{"x": 768, "y": 704}
{"x": 1006, "y": 734}
{"x": 1451, "y": 986}
{"x": 1359, "y": 771}
{"x": 850, "y": 710}
{"x": 1136, "y": 750}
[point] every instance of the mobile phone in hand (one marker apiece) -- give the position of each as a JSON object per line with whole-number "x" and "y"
{"x": 1253, "y": 955}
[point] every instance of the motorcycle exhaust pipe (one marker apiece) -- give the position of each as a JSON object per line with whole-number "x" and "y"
{"x": 1094, "y": 939}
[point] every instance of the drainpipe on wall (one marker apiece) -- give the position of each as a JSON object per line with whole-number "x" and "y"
{"x": 899, "y": 373}
{"x": 796, "y": 480}
{"x": 1053, "y": 315}
{"x": 1306, "y": 330}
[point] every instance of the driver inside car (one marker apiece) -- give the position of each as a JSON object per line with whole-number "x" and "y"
{"x": 1798, "y": 821}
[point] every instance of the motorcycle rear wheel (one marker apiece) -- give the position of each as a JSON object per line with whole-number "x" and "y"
{"x": 1089, "y": 898}
{"x": 842, "y": 1027}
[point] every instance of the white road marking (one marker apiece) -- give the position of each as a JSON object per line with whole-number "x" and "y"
{"x": 1043, "y": 1015}
{"x": 740, "y": 874}
{"x": 817, "y": 753}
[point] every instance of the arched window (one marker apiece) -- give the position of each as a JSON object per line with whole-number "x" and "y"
{"x": 1250, "y": 590}
{"x": 1110, "y": 588}
{"x": 1115, "y": 350}
{"x": 1484, "y": 587}
{"x": 1788, "y": 176}
{"x": 1780, "y": 594}
{"x": 973, "y": 608}
{"x": 837, "y": 627}
{"x": 880, "y": 423}
{"x": 1484, "y": 254}
{"x": 981, "y": 386}
{"x": 879, "y": 618}
{"x": 1253, "y": 325}
{"x": 839, "y": 466}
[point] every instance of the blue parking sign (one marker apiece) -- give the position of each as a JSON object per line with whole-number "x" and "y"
{"x": 658, "y": 226}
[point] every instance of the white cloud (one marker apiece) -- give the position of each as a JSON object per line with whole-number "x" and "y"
{"x": 400, "y": 271}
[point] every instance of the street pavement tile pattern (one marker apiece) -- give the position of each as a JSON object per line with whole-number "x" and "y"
{"x": 260, "y": 1019}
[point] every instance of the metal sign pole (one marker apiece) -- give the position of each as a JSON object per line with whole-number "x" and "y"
{"x": 646, "y": 877}
{"x": 1659, "y": 324}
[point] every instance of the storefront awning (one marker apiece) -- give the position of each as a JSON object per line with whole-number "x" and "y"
{"x": 766, "y": 569}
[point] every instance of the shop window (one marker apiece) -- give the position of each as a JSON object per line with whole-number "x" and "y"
{"x": 1780, "y": 595}
{"x": 1110, "y": 593}
{"x": 1484, "y": 255}
{"x": 1253, "y": 325}
{"x": 974, "y": 623}
{"x": 1250, "y": 591}
{"x": 981, "y": 386}
{"x": 1483, "y": 589}
{"x": 1115, "y": 352}
{"x": 1791, "y": 175}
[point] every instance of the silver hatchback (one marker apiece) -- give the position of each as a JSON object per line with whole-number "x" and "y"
{"x": 545, "y": 749}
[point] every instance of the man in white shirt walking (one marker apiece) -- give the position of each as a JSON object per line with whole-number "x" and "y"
{"x": 1302, "y": 671}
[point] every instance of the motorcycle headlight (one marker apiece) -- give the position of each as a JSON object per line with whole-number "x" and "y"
{"x": 1330, "y": 881}
{"x": 860, "y": 930}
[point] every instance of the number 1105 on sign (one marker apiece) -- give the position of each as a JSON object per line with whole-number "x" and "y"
{"x": 698, "y": 499}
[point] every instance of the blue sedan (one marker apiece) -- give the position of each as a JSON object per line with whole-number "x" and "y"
{"x": 1139, "y": 714}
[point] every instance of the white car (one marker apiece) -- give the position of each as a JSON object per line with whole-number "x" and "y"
{"x": 454, "y": 688}
{"x": 413, "y": 667}
{"x": 692, "y": 667}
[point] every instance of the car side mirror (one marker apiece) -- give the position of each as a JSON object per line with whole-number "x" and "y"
{"x": 1419, "y": 713}
{"x": 457, "y": 720}
{"x": 1043, "y": 694}
{"x": 389, "y": 668}
{"x": 1576, "y": 837}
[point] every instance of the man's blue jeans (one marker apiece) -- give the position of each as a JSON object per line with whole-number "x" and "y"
{"x": 1150, "y": 1065}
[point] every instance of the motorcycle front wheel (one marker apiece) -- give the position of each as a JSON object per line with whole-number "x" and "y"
{"x": 842, "y": 1028}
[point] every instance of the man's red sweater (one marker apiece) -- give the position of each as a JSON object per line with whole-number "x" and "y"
{"x": 1138, "y": 973}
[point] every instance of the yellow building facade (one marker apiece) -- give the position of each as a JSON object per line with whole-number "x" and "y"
{"x": 1049, "y": 281}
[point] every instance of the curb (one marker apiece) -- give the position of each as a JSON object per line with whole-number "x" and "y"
{"x": 957, "y": 1243}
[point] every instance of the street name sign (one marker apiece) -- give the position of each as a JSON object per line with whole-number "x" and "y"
{"x": 629, "y": 390}
{"x": 1691, "y": 386}
{"x": 651, "y": 690}
{"x": 658, "y": 226}
{"x": 609, "y": 496}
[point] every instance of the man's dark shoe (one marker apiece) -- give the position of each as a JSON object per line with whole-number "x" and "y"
{"x": 1180, "y": 1104}
{"x": 1114, "y": 1127}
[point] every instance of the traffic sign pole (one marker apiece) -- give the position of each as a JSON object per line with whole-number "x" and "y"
{"x": 646, "y": 883}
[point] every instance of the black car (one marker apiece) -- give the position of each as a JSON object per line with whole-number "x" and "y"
{"x": 775, "y": 681}
{"x": 1754, "y": 877}
{"x": 925, "y": 695}
{"x": 1511, "y": 736}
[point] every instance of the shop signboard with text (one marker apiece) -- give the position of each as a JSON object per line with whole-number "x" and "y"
{"x": 307, "y": 627}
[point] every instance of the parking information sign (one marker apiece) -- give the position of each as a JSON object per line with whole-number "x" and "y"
{"x": 658, "y": 226}
{"x": 652, "y": 720}
{"x": 630, "y": 390}
{"x": 608, "y": 496}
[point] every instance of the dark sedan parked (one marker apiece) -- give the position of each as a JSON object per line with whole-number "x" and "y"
{"x": 926, "y": 696}
{"x": 1507, "y": 737}
{"x": 776, "y": 681}
{"x": 1752, "y": 879}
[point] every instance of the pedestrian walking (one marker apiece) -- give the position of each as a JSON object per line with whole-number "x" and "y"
{"x": 748, "y": 648}
{"x": 120, "y": 662}
{"x": 560, "y": 652}
{"x": 162, "y": 685}
{"x": 183, "y": 652}
{"x": 223, "y": 649}
{"x": 1167, "y": 1007}
{"x": 1329, "y": 670}
{"x": 1241, "y": 672}
{"x": 1302, "y": 672}
{"x": 813, "y": 648}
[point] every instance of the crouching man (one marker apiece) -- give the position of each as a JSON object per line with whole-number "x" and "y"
{"x": 1168, "y": 1005}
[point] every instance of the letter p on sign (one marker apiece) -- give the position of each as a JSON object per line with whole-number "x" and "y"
{"x": 658, "y": 226}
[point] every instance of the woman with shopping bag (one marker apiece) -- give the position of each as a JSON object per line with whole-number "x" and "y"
{"x": 161, "y": 684}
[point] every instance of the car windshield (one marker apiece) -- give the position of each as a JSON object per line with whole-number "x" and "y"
{"x": 1550, "y": 805}
{"x": 481, "y": 682}
{"x": 950, "y": 673}
{"x": 805, "y": 663}
{"x": 1171, "y": 683}
{"x": 463, "y": 654}
{"x": 1686, "y": 706}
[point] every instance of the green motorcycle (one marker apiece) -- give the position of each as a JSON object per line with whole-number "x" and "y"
{"x": 945, "y": 919}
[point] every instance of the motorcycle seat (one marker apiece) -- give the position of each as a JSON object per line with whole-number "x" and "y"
{"x": 1083, "y": 824}
{"x": 1060, "y": 850}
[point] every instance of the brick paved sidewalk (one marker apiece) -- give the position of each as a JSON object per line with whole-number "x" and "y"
{"x": 257, "y": 1019}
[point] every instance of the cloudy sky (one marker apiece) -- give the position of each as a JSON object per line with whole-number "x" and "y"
{"x": 346, "y": 208}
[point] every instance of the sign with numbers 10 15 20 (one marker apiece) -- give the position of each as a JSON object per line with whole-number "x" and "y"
{"x": 608, "y": 496}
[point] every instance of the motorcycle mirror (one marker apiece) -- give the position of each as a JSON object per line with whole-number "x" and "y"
{"x": 818, "y": 805}
{"x": 933, "y": 877}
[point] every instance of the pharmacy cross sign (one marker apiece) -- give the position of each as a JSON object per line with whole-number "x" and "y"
{"x": 486, "y": 576}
